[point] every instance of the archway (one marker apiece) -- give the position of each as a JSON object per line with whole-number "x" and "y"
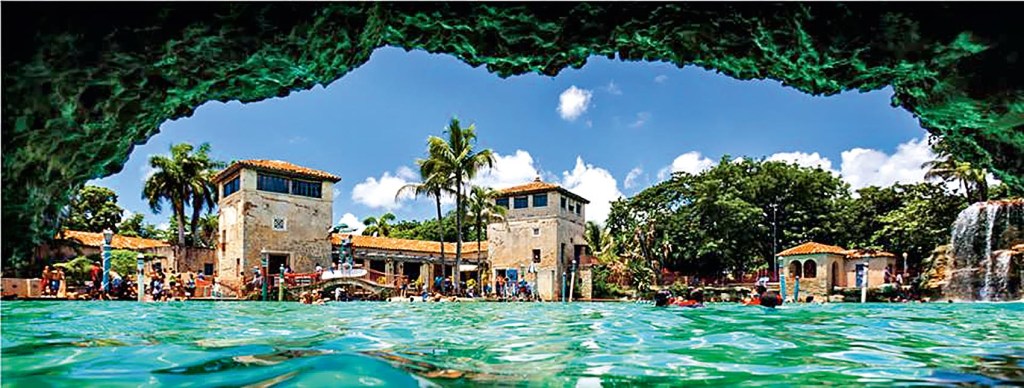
{"x": 84, "y": 83}
{"x": 795, "y": 269}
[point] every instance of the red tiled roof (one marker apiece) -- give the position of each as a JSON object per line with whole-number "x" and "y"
{"x": 537, "y": 186}
{"x": 398, "y": 244}
{"x": 278, "y": 166}
{"x": 861, "y": 253}
{"x": 92, "y": 239}
{"x": 810, "y": 248}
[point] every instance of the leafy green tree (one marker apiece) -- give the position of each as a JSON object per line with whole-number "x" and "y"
{"x": 378, "y": 226}
{"x": 923, "y": 222}
{"x": 135, "y": 226}
{"x": 719, "y": 221}
{"x": 93, "y": 209}
{"x": 457, "y": 159}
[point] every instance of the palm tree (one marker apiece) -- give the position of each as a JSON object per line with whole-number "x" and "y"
{"x": 971, "y": 179}
{"x": 435, "y": 183}
{"x": 456, "y": 158}
{"x": 169, "y": 183}
{"x": 378, "y": 226}
{"x": 199, "y": 171}
{"x": 482, "y": 208}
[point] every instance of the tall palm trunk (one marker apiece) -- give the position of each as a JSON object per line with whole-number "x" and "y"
{"x": 458, "y": 225}
{"x": 179, "y": 211}
{"x": 478, "y": 258}
{"x": 197, "y": 208}
{"x": 440, "y": 231}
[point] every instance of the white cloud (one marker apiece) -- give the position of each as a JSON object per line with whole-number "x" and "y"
{"x": 146, "y": 170}
{"x": 596, "y": 185}
{"x": 803, "y": 159}
{"x": 163, "y": 225}
{"x": 661, "y": 78}
{"x": 612, "y": 88}
{"x": 573, "y": 102}
{"x": 631, "y": 177}
{"x": 126, "y": 214}
{"x": 508, "y": 171}
{"x": 641, "y": 119}
{"x": 863, "y": 167}
{"x": 353, "y": 222}
{"x": 380, "y": 193}
{"x": 590, "y": 124}
{"x": 296, "y": 139}
{"x": 335, "y": 193}
{"x": 691, "y": 162}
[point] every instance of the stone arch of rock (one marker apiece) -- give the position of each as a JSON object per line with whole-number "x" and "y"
{"x": 84, "y": 83}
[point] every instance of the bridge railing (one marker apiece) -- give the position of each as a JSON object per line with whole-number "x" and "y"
{"x": 313, "y": 278}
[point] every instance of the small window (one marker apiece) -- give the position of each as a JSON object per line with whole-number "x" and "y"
{"x": 521, "y": 203}
{"x": 536, "y": 255}
{"x": 563, "y": 203}
{"x": 232, "y": 186}
{"x": 536, "y": 231}
{"x": 579, "y": 208}
{"x": 306, "y": 189}
{"x": 810, "y": 269}
{"x": 540, "y": 200}
{"x": 274, "y": 184}
{"x": 572, "y": 207}
{"x": 503, "y": 202}
{"x": 208, "y": 269}
{"x": 280, "y": 224}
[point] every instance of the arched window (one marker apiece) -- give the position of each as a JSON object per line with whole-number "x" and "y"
{"x": 794, "y": 268}
{"x": 810, "y": 269}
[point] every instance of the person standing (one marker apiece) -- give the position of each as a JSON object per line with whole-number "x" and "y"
{"x": 44, "y": 281}
{"x": 62, "y": 290}
{"x": 94, "y": 275}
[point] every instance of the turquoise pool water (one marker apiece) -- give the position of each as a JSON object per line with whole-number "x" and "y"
{"x": 583, "y": 344}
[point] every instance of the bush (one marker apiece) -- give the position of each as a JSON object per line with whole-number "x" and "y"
{"x": 602, "y": 287}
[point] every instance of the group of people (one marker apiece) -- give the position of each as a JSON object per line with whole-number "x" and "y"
{"x": 507, "y": 288}
{"x": 53, "y": 282}
{"x": 760, "y": 296}
{"x": 166, "y": 285}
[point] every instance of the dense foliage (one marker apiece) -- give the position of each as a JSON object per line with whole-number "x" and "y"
{"x": 93, "y": 209}
{"x": 721, "y": 220}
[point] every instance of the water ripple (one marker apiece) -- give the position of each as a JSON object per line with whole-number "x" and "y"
{"x": 581, "y": 344}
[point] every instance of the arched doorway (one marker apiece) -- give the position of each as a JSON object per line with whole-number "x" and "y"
{"x": 834, "y": 276}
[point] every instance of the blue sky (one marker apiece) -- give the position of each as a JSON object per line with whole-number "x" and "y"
{"x": 608, "y": 129}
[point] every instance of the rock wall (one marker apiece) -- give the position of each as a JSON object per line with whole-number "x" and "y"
{"x": 84, "y": 83}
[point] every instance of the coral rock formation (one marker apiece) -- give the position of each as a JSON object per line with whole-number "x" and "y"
{"x": 84, "y": 83}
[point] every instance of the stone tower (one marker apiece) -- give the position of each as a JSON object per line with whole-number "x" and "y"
{"x": 544, "y": 230}
{"x": 275, "y": 207}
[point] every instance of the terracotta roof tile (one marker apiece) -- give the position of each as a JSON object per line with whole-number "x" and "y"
{"x": 398, "y": 244}
{"x": 810, "y": 248}
{"x": 537, "y": 186}
{"x": 92, "y": 239}
{"x": 277, "y": 166}
{"x": 861, "y": 253}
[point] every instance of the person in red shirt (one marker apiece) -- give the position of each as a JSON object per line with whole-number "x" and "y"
{"x": 94, "y": 274}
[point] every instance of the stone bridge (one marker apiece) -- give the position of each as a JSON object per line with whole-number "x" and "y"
{"x": 330, "y": 285}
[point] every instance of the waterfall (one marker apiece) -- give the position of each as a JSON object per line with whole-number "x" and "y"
{"x": 982, "y": 264}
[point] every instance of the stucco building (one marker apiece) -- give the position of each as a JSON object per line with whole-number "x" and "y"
{"x": 544, "y": 231}
{"x": 276, "y": 207}
{"x": 822, "y": 268}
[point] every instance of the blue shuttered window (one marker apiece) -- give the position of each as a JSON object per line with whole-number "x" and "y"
{"x": 272, "y": 183}
{"x": 306, "y": 189}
